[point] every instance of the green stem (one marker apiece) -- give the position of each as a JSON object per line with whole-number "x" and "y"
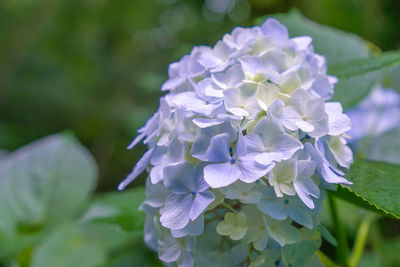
{"x": 361, "y": 239}
{"x": 342, "y": 250}
{"x": 229, "y": 207}
{"x": 325, "y": 259}
{"x": 250, "y": 250}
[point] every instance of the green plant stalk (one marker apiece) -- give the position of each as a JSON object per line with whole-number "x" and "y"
{"x": 342, "y": 250}
{"x": 250, "y": 251}
{"x": 361, "y": 239}
{"x": 325, "y": 259}
{"x": 229, "y": 207}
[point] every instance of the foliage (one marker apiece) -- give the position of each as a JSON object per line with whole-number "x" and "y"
{"x": 47, "y": 217}
{"x": 47, "y": 214}
{"x": 377, "y": 183}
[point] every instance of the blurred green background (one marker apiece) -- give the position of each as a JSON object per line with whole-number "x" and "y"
{"x": 95, "y": 66}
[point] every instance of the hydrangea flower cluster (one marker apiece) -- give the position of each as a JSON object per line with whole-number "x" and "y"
{"x": 376, "y": 114}
{"x": 240, "y": 150}
{"x": 376, "y": 126}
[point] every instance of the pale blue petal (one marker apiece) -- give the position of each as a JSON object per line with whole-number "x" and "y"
{"x": 302, "y": 42}
{"x": 186, "y": 260}
{"x": 169, "y": 253}
{"x": 193, "y": 228}
{"x": 275, "y": 108}
{"x": 207, "y": 90}
{"x": 273, "y": 62}
{"x": 306, "y": 126}
{"x": 251, "y": 64}
{"x": 299, "y": 214}
{"x": 157, "y": 174}
{"x": 199, "y": 148}
{"x": 173, "y": 83}
{"x": 202, "y": 143}
{"x": 158, "y": 155}
{"x": 305, "y": 168}
{"x": 136, "y": 140}
{"x": 205, "y": 122}
{"x": 221, "y": 174}
{"x": 175, "y": 214}
{"x": 289, "y": 116}
{"x": 149, "y": 233}
{"x": 279, "y": 145}
{"x": 137, "y": 170}
{"x": 198, "y": 178}
{"x": 234, "y": 103}
{"x": 273, "y": 208}
{"x": 189, "y": 101}
{"x": 323, "y": 87}
{"x": 230, "y": 78}
{"x": 241, "y": 145}
{"x": 286, "y": 145}
{"x": 339, "y": 123}
{"x": 201, "y": 201}
{"x": 330, "y": 176}
{"x": 156, "y": 194}
{"x": 254, "y": 143}
{"x": 275, "y": 29}
{"x": 178, "y": 178}
{"x": 323, "y": 166}
{"x": 209, "y": 60}
{"x": 251, "y": 170}
{"x": 186, "y": 100}
{"x": 300, "y": 99}
{"x": 219, "y": 149}
{"x": 190, "y": 66}
{"x": 306, "y": 188}
{"x": 267, "y": 129}
{"x": 267, "y": 158}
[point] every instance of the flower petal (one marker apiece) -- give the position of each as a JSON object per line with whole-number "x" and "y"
{"x": 200, "y": 203}
{"x": 221, "y": 174}
{"x": 218, "y": 151}
{"x": 175, "y": 214}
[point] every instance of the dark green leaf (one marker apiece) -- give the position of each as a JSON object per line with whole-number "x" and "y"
{"x": 349, "y": 91}
{"x": 378, "y": 183}
{"x": 345, "y": 193}
{"x": 365, "y": 65}
{"x": 327, "y": 235}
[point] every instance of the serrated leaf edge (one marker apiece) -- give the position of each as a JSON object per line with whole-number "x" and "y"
{"x": 369, "y": 202}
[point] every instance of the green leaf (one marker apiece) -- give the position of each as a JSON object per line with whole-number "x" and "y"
{"x": 118, "y": 208}
{"x": 378, "y": 183}
{"x": 80, "y": 245}
{"x": 301, "y": 253}
{"x": 361, "y": 66}
{"x": 390, "y": 251}
{"x": 347, "y": 194}
{"x": 392, "y": 78}
{"x": 44, "y": 183}
{"x": 350, "y": 91}
{"x": 327, "y": 235}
